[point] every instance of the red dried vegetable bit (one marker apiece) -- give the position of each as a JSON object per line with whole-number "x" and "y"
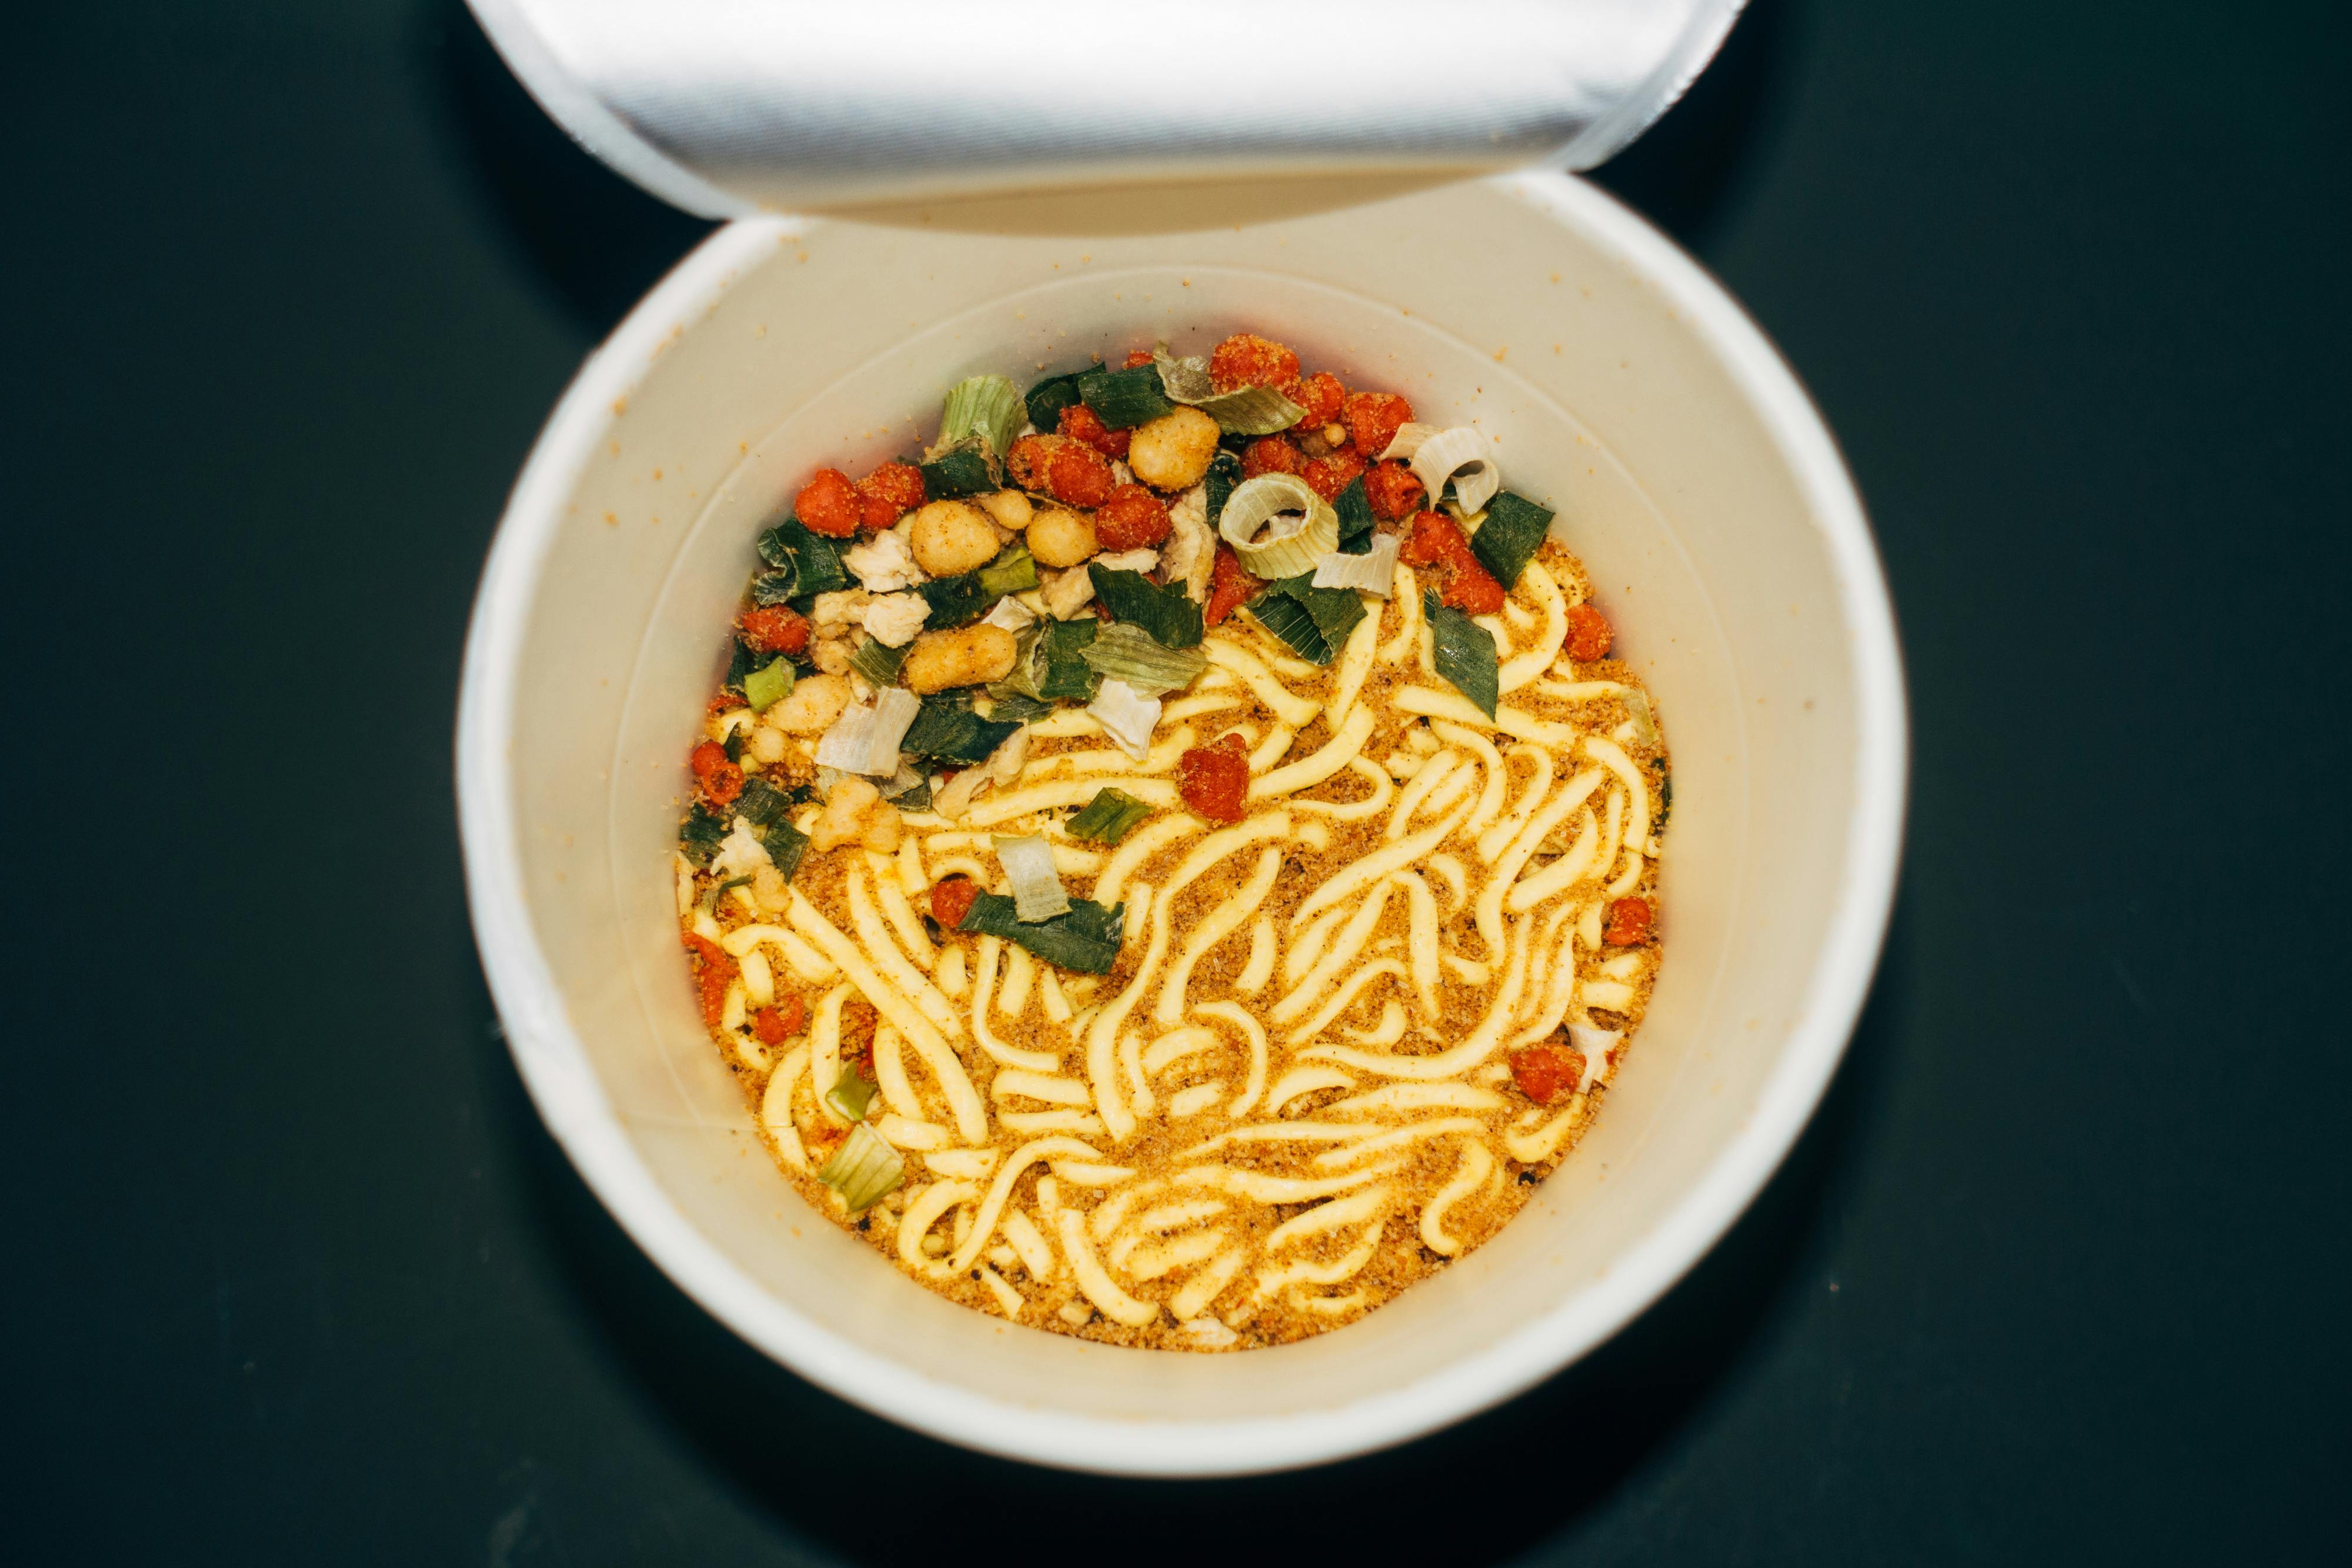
{"x": 1248, "y": 360}
{"x": 775, "y": 1025}
{"x": 888, "y": 493}
{"x": 1320, "y": 395}
{"x": 1270, "y": 455}
{"x": 1080, "y": 422}
{"x": 953, "y": 900}
{"x": 1138, "y": 358}
{"x": 1432, "y": 542}
{"x": 794, "y": 1016}
{"x": 1373, "y": 419}
{"x": 1229, "y": 586}
{"x": 775, "y": 628}
{"x": 721, "y": 779}
{"x": 1131, "y": 518}
{"x": 858, "y": 1022}
{"x": 1629, "y": 923}
{"x": 1026, "y": 464}
{"x": 1214, "y": 780}
{"x": 713, "y": 972}
{"x": 1392, "y": 489}
{"x": 1327, "y": 477}
{"x": 1077, "y": 474}
{"x": 1544, "y": 1073}
{"x": 829, "y": 504}
{"x": 1466, "y": 584}
{"x": 723, "y": 702}
{"x": 1470, "y": 588}
{"x": 1070, "y": 471}
{"x": 1589, "y": 634}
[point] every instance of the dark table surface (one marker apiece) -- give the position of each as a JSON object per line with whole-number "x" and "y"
{"x": 2061, "y": 1268}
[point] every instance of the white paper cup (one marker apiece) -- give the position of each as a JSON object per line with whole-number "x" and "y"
{"x": 1728, "y": 546}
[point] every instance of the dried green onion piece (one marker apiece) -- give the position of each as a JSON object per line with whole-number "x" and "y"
{"x": 948, "y": 730}
{"x": 1123, "y": 399}
{"x": 761, "y": 803}
{"x": 986, "y": 407}
{"x": 1110, "y": 816}
{"x": 1513, "y": 528}
{"x": 720, "y": 891}
{"x": 1012, "y": 707}
{"x": 1064, "y": 673}
{"x": 878, "y": 662}
{"x": 1171, "y": 615}
{"x": 1224, "y": 477}
{"x": 1244, "y": 410}
{"x": 1464, "y": 652}
{"x": 1014, "y": 571}
{"x": 1354, "y": 508}
{"x": 766, "y": 687}
{"x": 1128, "y": 652}
{"x": 1087, "y": 939}
{"x": 699, "y": 835}
{"x": 803, "y": 564}
{"x": 864, "y": 1170}
{"x": 955, "y": 601}
{"x": 1313, "y": 622}
{"x": 967, "y": 471}
{"x": 785, "y": 845}
{"x": 1050, "y": 396}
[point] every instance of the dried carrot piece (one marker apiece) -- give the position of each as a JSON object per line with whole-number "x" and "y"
{"x": 1545, "y": 1072}
{"x": 1629, "y": 923}
{"x": 714, "y": 971}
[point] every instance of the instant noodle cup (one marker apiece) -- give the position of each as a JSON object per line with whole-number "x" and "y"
{"x": 1627, "y": 393}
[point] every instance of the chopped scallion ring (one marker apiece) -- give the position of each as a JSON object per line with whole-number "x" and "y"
{"x": 1300, "y": 525}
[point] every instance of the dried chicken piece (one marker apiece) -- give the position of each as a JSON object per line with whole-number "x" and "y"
{"x": 1080, "y": 422}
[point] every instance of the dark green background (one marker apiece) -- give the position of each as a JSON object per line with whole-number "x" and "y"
{"x": 2060, "y": 1272}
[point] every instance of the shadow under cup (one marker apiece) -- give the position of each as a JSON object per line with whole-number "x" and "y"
{"x": 1627, "y": 391}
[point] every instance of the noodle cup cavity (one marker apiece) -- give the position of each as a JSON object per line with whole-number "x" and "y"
{"x": 1266, "y": 1053}
{"x": 1247, "y": 1161}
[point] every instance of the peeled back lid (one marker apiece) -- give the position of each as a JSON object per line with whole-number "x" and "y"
{"x": 984, "y": 107}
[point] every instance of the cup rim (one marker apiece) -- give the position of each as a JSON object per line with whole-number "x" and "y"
{"x": 556, "y": 1069}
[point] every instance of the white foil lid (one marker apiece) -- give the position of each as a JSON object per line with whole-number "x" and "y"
{"x": 728, "y": 107}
